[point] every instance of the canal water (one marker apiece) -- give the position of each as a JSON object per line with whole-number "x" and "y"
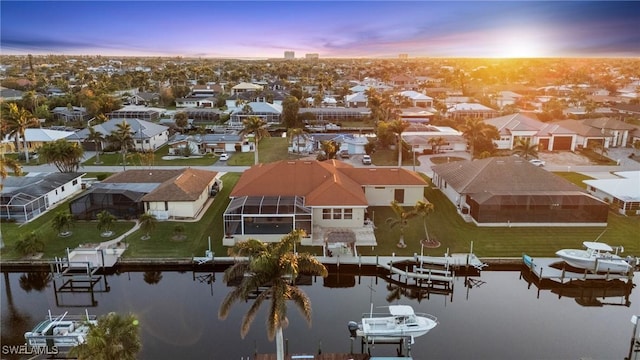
{"x": 496, "y": 315}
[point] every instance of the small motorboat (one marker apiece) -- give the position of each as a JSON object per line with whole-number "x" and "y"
{"x": 62, "y": 331}
{"x": 598, "y": 257}
{"x": 400, "y": 321}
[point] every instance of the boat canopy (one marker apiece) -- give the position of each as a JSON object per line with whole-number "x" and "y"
{"x": 597, "y": 246}
{"x": 401, "y": 310}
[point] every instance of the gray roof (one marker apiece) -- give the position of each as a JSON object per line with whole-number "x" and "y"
{"x": 149, "y": 129}
{"x": 502, "y": 175}
{"x": 37, "y": 184}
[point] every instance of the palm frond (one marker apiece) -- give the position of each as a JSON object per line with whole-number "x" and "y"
{"x": 302, "y": 301}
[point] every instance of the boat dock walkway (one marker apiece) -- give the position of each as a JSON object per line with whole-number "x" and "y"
{"x": 555, "y": 269}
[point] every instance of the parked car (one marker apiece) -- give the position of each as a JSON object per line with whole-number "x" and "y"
{"x": 344, "y": 154}
{"x": 224, "y": 157}
{"x": 366, "y": 159}
{"x": 537, "y": 162}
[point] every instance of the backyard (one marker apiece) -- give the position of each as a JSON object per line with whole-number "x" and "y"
{"x": 443, "y": 224}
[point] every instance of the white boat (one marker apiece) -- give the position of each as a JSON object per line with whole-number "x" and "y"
{"x": 62, "y": 331}
{"x": 597, "y": 257}
{"x": 401, "y": 321}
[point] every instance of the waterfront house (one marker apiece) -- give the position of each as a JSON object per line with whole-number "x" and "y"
{"x": 167, "y": 194}
{"x": 26, "y": 197}
{"x": 622, "y": 192}
{"x": 36, "y": 137}
{"x": 147, "y": 135}
{"x": 510, "y": 191}
{"x": 327, "y": 199}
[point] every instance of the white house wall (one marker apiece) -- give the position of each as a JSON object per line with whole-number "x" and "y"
{"x": 356, "y": 221}
{"x": 63, "y": 192}
{"x": 384, "y": 195}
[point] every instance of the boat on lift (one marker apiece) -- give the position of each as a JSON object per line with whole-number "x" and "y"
{"x": 400, "y": 321}
{"x": 598, "y": 257}
{"x": 62, "y": 331}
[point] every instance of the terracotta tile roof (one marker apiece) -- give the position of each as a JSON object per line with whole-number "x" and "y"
{"x": 507, "y": 174}
{"x": 324, "y": 183}
{"x": 173, "y": 185}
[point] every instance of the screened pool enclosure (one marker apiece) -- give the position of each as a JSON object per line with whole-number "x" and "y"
{"x": 254, "y": 215}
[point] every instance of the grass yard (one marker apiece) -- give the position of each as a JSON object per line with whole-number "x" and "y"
{"x": 575, "y": 178}
{"x": 388, "y": 157}
{"x": 195, "y": 243}
{"x": 271, "y": 149}
{"x": 446, "y": 226}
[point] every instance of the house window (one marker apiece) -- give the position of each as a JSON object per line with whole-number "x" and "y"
{"x": 337, "y": 214}
{"x": 326, "y": 214}
{"x": 348, "y": 214}
{"x": 74, "y": 182}
{"x": 398, "y": 195}
{"x": 166, "y": 206}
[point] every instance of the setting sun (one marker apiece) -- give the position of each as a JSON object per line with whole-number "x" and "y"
{"x": 519, "y": 45}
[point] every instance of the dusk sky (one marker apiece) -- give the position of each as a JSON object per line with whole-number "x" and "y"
{"x": 262, "y": 29}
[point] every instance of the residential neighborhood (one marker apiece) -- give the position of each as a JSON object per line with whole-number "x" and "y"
{"x": 502, "y": 135}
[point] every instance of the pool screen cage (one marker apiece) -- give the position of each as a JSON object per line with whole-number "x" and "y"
{"x": 248, "y": 215}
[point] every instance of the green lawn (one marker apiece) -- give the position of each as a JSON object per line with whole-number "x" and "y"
{"x": 575, "y": 178}
{"x": 270, "y": 150}
{"x": 196, "y": 234}
{"x": 388, "y": 157}
{"x": 446, "y": 226}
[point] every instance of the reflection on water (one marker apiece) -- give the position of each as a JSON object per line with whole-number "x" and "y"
{"x": 495, "y": 315}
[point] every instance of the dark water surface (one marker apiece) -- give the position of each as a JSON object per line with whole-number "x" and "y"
{"x": 500, "y": 316}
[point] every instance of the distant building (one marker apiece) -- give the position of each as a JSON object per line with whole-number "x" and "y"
{"x": 314, "y": 56}
{"x": 403, "y": 56}
{"x": 289, "y": 55}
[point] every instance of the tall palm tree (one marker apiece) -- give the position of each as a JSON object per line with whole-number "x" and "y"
{"x": 115, "y": 337}
{"x": 401, "y": 219}
{"x": 65, "y": 155}
{"x": 258, "y": 127}
{"x": 275, "y": 266}
{"x": 18, "y": 121}
{"x": 97, "y": 139}
{"x": 147, "y": 224}
{"x": 424, "y": 208}
{"x": 295, "y": 134}
{"x": 524, "y": 148}
{"x": 436, "y": 143}
{"x": 474, "y": 129}
{"x": 122, "y": 137}
{"x": 398, "y": 127}
{"x": 7, "y": 164}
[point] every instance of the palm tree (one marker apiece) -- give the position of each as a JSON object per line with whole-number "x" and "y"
{"x": 398, "y": 127}
{"x": 401, "y": 220}
{"x": 61, "y": 223}
{"x": 181, "y": 119}
{"x": 122, "y": 137}
{"x": 436, "y": 143}
{"x": 256, "y": 126}
{"x": 105, "y": 222}
{"x": 424, "y": 208}
{"x": 147, "y": 224}
{"x": 524, "y": 148}
{"x": 295, "y": 134}
{"x": 97, "y": 139}
{"x": 65, "y": 155}
{"x": 330, "y": 149}
{"x": 9, "y": 164}
{"x": 474, "y": 130}
{"x": 30, "y": 244}
{"x": 275, "y": 266}
{"x": 18, "y": 121}
{"x": 115, "y": 337}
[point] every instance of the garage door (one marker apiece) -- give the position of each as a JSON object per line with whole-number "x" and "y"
{"x": 562, "y": 142}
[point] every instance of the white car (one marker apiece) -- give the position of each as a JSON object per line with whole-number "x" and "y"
{"x": 537, "y": 162}
{"x": 224, "y": 157}
{"x": 366, "y": 159}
